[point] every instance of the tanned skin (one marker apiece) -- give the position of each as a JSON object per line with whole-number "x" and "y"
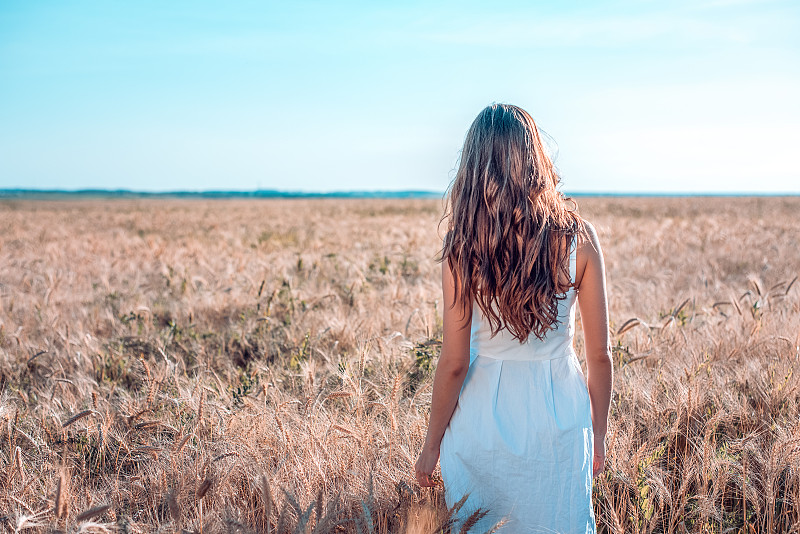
{"x": 590, "y": 283}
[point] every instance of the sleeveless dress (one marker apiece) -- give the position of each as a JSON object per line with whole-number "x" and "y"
{"x": 520, "y": 440}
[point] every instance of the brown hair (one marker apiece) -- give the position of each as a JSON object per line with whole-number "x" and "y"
{"x": 508, "y": 230}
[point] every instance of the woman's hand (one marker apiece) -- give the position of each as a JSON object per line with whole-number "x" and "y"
{"x": 425, "y": 465}
{"x": 599, "y": 460}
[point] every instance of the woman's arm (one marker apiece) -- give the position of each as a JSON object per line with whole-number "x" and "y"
{"x": 594, "y": 317}
{"x": 450, "y": 372}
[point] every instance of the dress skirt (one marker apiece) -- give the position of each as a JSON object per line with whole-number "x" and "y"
{"x": 520, "y": 445}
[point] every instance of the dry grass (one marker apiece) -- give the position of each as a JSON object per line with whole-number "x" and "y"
{"x": 239, "y": 366}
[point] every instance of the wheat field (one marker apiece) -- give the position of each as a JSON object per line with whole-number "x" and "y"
{"x": 185, "y": 365}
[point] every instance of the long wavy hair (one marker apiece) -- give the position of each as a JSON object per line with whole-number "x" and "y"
{"x": 508, "y": 229}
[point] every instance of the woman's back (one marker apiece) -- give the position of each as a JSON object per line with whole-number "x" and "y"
{"x": 505, "y": 346}
{"x": 519, "y": 443}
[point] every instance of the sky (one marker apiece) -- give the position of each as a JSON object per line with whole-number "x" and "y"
{"x": 637, "y": 96}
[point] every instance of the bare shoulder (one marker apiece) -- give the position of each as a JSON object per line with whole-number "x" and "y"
{"x": 588, "y": 252}
{"x": 588, "y": 238}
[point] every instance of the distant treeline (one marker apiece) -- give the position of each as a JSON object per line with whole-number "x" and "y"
{"x": 265, "y": 193}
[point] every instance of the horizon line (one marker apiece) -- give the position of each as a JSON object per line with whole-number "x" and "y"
{"x": 6, "y": 193}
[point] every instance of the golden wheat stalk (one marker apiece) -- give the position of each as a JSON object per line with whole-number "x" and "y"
{"x": 77, "y": 417}
{"x": 92, "y": 512}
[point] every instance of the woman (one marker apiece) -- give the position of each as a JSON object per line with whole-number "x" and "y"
{"x": 517, "y": 429}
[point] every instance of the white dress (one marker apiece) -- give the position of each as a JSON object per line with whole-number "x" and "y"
{"x": 520, "y": 441}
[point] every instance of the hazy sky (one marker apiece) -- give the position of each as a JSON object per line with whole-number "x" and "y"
{"x": 643, "y": 96}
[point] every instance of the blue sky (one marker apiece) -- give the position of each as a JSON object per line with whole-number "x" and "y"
{"x": 645, "y": 96}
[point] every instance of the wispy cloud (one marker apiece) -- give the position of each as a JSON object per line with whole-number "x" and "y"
{"x": 662, "y": 28}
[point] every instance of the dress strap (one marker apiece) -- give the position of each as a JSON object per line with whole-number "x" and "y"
{"x": 573, "y": 260}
